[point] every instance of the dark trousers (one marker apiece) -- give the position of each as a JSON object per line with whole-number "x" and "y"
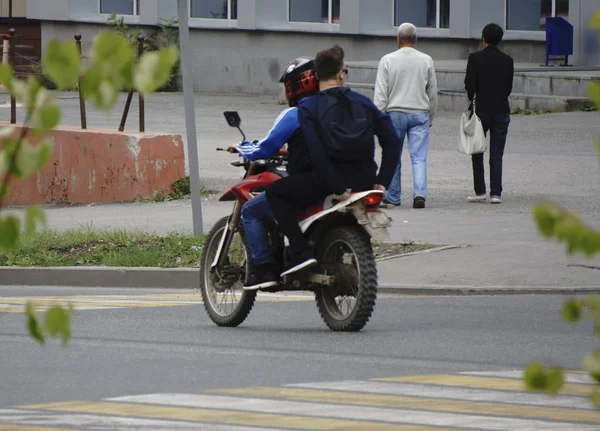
{"x": 497, "y": 126}
{"x": 290, "y": 195}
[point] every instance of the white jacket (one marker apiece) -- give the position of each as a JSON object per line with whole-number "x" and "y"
{"x": 406, "y": 82}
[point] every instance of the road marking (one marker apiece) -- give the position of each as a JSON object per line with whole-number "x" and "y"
{"x": 342, "y": 411}
{"x": 441, "y": 392}
{"x": 231, "y": 417}
{"x": 569, "y": 377}
{"x": 16, "y": 304}
{"x": 86, "y": 421}
{"x": 483, "y": 383}
{"x": 465, "y": 401}
{"x": 418, "y": 403}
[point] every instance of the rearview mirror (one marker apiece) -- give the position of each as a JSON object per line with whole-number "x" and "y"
{"x": 233, "y": 118}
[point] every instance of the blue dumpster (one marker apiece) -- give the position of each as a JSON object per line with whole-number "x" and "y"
{"x": 559, "y": 38}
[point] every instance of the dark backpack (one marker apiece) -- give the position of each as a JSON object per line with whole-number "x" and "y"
{"x": 345, "y": 128}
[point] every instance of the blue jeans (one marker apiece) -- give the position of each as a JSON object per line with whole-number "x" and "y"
{"x": 497, "y": 126}
{"x": 254, "y": 212}
{"x": 416, "y": 126}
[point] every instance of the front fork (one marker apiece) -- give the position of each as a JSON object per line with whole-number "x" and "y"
{"x": 227, "y": 237}
{"x": 232, "y": 227}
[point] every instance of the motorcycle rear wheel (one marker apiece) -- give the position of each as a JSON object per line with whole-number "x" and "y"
{"x": 225, "y": 300}
{"x": 346, "y": 253}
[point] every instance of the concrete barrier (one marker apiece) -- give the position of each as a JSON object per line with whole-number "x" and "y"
{"x": 100, "y": 166}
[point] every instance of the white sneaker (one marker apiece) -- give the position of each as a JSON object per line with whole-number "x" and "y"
{"x": 495, "y": 200}
{"x": 477, "y": 198}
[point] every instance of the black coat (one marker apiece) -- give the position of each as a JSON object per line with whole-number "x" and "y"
{"x": 489, "y": 79}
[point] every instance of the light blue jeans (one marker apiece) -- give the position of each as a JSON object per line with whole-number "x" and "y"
{"x": 416, "y": 126}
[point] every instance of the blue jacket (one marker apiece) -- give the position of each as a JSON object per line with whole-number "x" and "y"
{"x": 356, "y": 175}
{"x": 286, "y": 129}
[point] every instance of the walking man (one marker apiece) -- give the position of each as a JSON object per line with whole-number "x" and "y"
{"x": 488, "y": 83}
{"x": 406, "y": 89}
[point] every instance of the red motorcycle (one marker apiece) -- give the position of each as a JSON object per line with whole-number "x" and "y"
{"x": 345, "y": 279}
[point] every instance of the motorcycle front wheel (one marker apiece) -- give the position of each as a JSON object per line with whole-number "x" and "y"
{"x": 225, "y": 300}
{"x": 346, "y": 253}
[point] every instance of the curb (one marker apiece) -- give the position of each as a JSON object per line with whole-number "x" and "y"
{"x": 187, "y": 278}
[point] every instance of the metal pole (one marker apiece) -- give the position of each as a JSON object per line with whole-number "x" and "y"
{"x": 81, "y": 99}
{"x": 13, "y": 103}
{"x": 126, "y": 111}
{"x": 141, "y": 108}
{"x": 10, "y": 13}
{"x": 190, "y": 115}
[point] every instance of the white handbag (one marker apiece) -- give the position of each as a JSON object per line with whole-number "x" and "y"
{"x": 471, "y": 138}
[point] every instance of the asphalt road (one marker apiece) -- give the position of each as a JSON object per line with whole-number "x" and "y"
{"x": 142, "y": 342}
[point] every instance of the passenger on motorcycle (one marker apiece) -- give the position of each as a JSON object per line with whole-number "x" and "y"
{"x": 332, "y": 175}
{"x": 300, "y": 81}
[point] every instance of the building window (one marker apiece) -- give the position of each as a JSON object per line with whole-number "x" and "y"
{"x": 531, "y": 14}
{"x": 213, "y": 9}
{"x": 120, "y": 7}
{"x": 326, "y": 11}
{"x": 424, "y": 13}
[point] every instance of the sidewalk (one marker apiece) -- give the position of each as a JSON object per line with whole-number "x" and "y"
{"x": 547, "y": 157}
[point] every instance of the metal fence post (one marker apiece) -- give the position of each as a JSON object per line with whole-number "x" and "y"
{"x": 81, "y": 99}
{"x": 13, "y": 103}
{"x": 140, "y": 45}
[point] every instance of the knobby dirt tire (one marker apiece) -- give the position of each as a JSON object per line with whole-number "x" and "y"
{"x": 358, "y": 241}
{"x": 239, "y": 314}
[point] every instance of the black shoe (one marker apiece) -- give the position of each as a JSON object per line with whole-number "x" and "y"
{"x": 419, "y": 202}
{"x": 389, "y": 204}
{"x": 262, "y": 277}
{"x": 299, "y": 261}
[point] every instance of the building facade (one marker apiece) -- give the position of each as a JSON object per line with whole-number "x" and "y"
{"x": 242, "y": 45}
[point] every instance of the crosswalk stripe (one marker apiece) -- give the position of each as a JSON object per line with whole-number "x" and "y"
{"x": 10, "y": 427}
{"x": 293, "y": 421}
{"x": 569, "y": 377}
{"x": 87, "y": 421}
{"x": 396, "y": 415}
{"x": 441, "y": 392}
{"x": 482, "y": 382}
{"x": 430, "y": 404}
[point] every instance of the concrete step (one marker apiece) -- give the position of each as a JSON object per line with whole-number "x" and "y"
{"x": 562, "y": 82}
{"x": 455, "y": 100}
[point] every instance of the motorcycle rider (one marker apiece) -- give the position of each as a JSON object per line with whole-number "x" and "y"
{"x": 294, "y": 193}
{"x": 300, "y": 81}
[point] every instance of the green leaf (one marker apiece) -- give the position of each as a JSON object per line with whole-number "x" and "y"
{"x": 535, "y": 377}
{"x": 591, "y": 363}
{"x": 49, "y": 117}
{"x": 555, "y": 380}
{"x": 571, "y": 312}
{"x": 594, "y": 92}
{"x": 6, "y": 76}
{"x": 595, "y": 398}
{"x": 44, "y": 153}
{"x": 595, "y": 21}
{"x": 545, "y": 218}
{"x": 538, "y": 378}
{"x": 33, "y": 325}
{"x": 9, "y": 232}
{"x": 154, "y": 69}
{"x": 33, "y": 215}
{"x": 58, "y": 321}
{"x": 62, "y": 63}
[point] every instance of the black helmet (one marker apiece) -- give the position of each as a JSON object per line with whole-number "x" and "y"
{"x": 299, "y": 79}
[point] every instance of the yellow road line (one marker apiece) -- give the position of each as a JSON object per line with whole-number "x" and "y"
{"x": 229, "y": 417}
{"x": 483, "y": 383}
{"x": 417, "y": 403}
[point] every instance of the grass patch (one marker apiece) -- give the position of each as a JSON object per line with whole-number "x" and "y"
{"x": 181, "y": 190}
{"x": 86, "y": 247}
{"x": 381, "y": 250}
{"x": 519, "y": 111}
{"x": 589, "y": 107}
